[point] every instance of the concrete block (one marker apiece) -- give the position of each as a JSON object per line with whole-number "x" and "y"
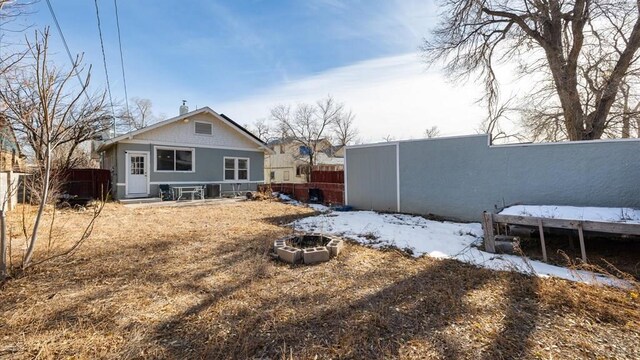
{"x": 279, "y": 244}
{"x": 506, "y": 244}
{"x": 315, "y": 255}
{"x": 335, "y": 247}
{"x": 289, "y": 254}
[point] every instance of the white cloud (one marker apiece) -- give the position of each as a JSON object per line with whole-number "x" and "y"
{"x": 390, "y": 96}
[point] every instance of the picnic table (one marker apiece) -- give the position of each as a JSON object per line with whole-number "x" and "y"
{"x": 193, "y": 190}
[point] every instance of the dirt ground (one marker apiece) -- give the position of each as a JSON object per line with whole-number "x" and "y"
{"x": 197, "y": 282}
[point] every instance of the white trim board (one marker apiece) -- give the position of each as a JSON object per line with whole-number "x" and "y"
{"x": 168, "y": 143}
{"x": 346, "y": 183}
{"x": 398, "y": 176}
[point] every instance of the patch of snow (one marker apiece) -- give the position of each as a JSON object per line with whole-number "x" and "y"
{"x": 420, "y": 236}
{"x": 319, "y": 207}
{"x": 603, "y": 214}
{"x": 286, "y": 198}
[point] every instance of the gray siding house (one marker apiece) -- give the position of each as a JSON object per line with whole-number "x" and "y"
{"x": 200, "y": 147}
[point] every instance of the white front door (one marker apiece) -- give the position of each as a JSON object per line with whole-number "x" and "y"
{"x": 137, "y": 174}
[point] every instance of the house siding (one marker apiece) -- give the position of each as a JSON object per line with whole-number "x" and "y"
{"x": 209, "y": 163}
{"x": 181, "y": 132}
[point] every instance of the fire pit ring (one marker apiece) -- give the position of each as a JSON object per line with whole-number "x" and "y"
{"x": 307, "y": 248}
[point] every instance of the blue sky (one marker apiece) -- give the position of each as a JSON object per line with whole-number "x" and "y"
{"x": 243, "y": 57}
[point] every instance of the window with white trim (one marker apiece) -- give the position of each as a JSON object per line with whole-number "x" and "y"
{"x": 174, "y": 159}
{"x": 203, "y": 128}
{"x": 236, "y": 169}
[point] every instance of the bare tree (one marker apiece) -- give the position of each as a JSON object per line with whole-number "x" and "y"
{"x": 432, "y": 132}
{"x": 138, "y": 116}
{"x": 45, "y": 113}
{"x": 344, "y": 129}
{"x": 307, "y": 125}
{"x": 389, "y": 138}
{"x": 262, "y": 130}
{"x": 493, "y": 124}
{"x": 544, "y": 37}
{"x": 628, "y": 109}
{"x": 49, "y": 113}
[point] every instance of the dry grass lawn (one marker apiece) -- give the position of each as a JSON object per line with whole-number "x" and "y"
{"x": 197, "y": 282}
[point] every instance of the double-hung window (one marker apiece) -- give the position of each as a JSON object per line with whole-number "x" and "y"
{"x": 236, "y": 169}
{"x": 174, "y": 159}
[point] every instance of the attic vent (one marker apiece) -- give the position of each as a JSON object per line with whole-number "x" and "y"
{"x": 204, "y": 128}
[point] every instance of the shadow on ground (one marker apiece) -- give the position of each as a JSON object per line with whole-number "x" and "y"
{"x": 215, "y": 292}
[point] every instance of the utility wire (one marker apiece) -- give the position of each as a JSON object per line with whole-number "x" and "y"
{"x": 106, "y": 71}
{"x": 124, "y": 78}
{"x": 64, "y": 42}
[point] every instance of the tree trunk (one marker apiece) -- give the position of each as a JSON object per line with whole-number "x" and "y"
{"x": 3, "y": 246}
{"x": 43, "y": 201}
{"x": 311, "y": 160}
{"x": 626, "y": 126}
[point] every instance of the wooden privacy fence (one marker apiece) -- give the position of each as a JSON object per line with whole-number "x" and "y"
{"x": 333, "y": 177}
{"x": 87, "y": 184}
{"x": 332, "y": 193}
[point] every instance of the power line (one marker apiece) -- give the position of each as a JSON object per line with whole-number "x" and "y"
{"x": 64, "y": 42}
{"x": 124, "y": 78}
{"x": 106, "y": 71}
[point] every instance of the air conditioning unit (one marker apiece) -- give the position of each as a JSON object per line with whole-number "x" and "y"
{"x": 213, "y": 191}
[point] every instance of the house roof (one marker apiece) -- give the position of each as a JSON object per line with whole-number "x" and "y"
{"x": 205, "y": 110}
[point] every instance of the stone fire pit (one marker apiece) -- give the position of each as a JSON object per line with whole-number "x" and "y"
{"x": 307, "y": 248}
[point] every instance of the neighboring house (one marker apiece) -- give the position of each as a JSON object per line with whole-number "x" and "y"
{"x": 12, "y": 165}
{"x": 289, "y": 162}
{"x": 200, "y": 147}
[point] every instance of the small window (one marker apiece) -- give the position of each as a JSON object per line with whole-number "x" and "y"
{"x": 204, "y": 128}
{"x": 286, "y": 176}
{"x": 165, "y": 160}
{"x": 302, "y": 170}
{"x": 137, "y": 165}
{"x": 184, "y": 160}
{"x": 272, "y": 175}
{"x": 243, "y": 169}
{"x": 236, "y": 169}
{"x": 305, "y": 150}
{"x": 281, "y": 149}
{"x": 229, "y": 169}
